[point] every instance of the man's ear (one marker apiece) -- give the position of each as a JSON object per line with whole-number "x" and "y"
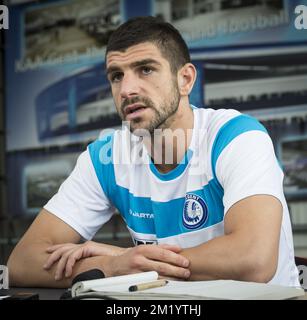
{"x": 186, "y": 78}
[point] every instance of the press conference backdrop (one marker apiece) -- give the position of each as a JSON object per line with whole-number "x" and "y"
{"x": 248, "y": 54}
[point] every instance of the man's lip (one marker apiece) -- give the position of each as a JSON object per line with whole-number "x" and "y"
{"x": 131, "y": 107}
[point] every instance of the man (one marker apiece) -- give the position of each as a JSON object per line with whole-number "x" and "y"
{"x": 215, "y": 211}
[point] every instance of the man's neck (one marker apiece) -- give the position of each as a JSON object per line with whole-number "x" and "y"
{"x": 168, "y": 145}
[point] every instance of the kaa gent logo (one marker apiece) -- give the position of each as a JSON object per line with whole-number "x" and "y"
{"x": 4, "y": 17}
{"x": 301, "y": 19}
{"x": 4, "y": 277}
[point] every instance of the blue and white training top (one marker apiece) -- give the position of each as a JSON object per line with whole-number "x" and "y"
{"x": 230, "y": 157}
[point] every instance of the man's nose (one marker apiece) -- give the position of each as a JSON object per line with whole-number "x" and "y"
{"x": 129, "y": 86}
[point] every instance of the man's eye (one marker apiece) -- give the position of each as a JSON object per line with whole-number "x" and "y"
{"x": 116, "y": 77}
{"x": 146, "y": 70}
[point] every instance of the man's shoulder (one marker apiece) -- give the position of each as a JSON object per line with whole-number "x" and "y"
{"x": 214, "y": 117}
{"x": 227, "y": 126}
{"x": 223, "y": 125}
{"x": 211, "y": 120}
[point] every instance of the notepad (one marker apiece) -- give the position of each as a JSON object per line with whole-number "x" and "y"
{"x": 113, "y": 284}
{"x": 229, "y": 289}
{"x": 118, "y": 287}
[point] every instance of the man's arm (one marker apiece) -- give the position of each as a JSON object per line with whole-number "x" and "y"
{"x": 30, "y": 254}
{"x": 26, "y": 263}
{"x": 249, "y": 249}
{"x": 244, "y": 163}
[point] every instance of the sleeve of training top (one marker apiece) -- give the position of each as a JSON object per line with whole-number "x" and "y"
{"x": 248, "y": 166}
{"x": 80, "y": 201}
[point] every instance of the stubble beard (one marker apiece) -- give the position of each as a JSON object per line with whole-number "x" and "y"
{"x": 162, "y": 117}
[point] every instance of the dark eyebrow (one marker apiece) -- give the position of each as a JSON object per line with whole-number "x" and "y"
{"x": 133, "y": 65}
{"x": 144, "y": 62}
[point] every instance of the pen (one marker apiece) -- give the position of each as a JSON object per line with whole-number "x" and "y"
{"x": 148, "y": 285}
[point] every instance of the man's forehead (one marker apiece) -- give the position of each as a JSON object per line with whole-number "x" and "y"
{"x": 140, "y": 51}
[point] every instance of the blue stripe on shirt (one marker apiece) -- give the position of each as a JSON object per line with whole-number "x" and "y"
{"x": 229, "y": 131}
{"x": 165, "y": 217}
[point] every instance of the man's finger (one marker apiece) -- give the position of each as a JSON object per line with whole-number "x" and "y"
{"x": 54, "y": 257}
{"x": 59, "y": 246}
{"x": 76, "y": 255}
{"x": 61, "y": 265}
{"x": 164, "y": 255}
{"x": 167, "y": 270}
{"x": 172, "y": 247}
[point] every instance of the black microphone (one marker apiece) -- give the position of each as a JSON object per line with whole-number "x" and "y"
{"x": 88, "y": 275}
{"x": 83, "y": 276}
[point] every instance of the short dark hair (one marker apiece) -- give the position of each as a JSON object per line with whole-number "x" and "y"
{"x": 150, "y": 29}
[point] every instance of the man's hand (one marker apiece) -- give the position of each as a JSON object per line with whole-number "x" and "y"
{"x": 68, "y": 254}
{"x": 165, "y": 259}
